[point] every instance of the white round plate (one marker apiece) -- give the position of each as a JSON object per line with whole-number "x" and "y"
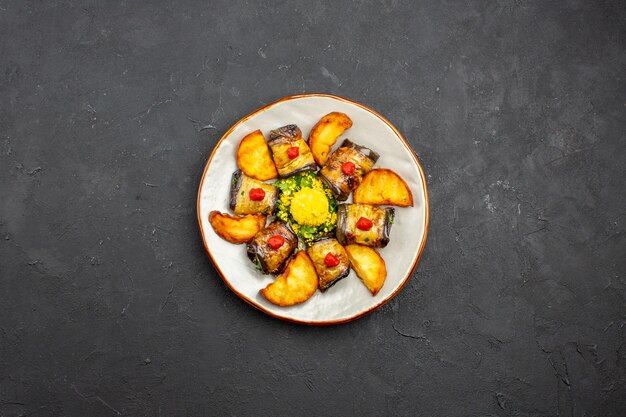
{"x": 348, "y": 299}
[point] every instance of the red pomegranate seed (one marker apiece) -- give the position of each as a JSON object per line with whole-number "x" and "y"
{"x": 257, "y": 194}
{"x": 331, "y": 260}
{"x": 364, "y": 224}
{"x": 293, "y": 152}
{"x": 348, "y": 168}
{"x": 276, "y": 242}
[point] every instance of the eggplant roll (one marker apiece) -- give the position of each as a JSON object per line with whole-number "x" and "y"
{"x": 329, "y": 275}
{"x": 343, "y": 184}
{"x": 268, "y": 260}
{"x": 289, "y": 162}
{"x": 377, "y": 236}
{"x": 240, "y": 201}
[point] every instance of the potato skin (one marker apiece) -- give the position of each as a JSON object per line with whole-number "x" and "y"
{"x": 382, "y": 186}
{"x": 295, "y": 285}
{"x": 368, "y": 265}
{"x": 254, "y": 159}
{"x": 236, "y": 229}
{"x": 325, "y": 133}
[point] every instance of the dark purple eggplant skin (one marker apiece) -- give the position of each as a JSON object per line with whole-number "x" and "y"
{"x": 342, "y": 224}
{"x": 339, "y": 195}
{"x": 287, "y": 134}
{"x": 389, "y": 216}
{"x": 347, "y": 143}
{"x": 336, "y": 280}
{"x": 235, "y": 185}
{"x": 289, "y": 131}
{"x": 319, "y": 260}
{"x": 347, "y": 237}
{"x": 339, "y": 183}
{"x": 272, "y": 261}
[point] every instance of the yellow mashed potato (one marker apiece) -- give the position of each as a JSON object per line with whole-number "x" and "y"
{"x": 309, "y": 206}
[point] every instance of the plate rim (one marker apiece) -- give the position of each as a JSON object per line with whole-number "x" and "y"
{"x": 416, "y": 258}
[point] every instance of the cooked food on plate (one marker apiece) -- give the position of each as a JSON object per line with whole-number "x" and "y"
{"x": 290, "y": 152}
{"x": 236, "y": 229}
{"x": 271, "y": 247}
{"x": 346, "y": 167}
{"x": 254, "y": 159}
{"x": 308, "y": 205}
{"x": 311, "y": 241}
{"x": 383, "y": 186}
{"x": 364, "y": 224}
{"x": 368, "y": 265}
{"x": 325, "y": 133}
{"x": 250, "y": 196}
{"x": 330, "y": 260}
{"x": 294, "y": 286}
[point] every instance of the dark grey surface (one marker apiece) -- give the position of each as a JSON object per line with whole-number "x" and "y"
{"x": 109, "y": 305}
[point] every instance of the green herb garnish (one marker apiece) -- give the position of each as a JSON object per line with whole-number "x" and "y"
{"x": 288, "y": 187}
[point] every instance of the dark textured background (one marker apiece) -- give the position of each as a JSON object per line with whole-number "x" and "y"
{"x": 109, "y": 305}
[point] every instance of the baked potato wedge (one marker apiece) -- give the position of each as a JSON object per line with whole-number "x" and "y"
{"x": 325, "y": 133}
{"x": 368, "y": 265}
{"x": 254, "y": 159}
{"x": 295, "y": 285}
{"x": 383, "y": 186}
{"x": 236, "y": 229}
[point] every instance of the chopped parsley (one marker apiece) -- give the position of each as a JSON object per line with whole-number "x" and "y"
{"x": 258, "y": 264}
{"x": 287, "y": 188}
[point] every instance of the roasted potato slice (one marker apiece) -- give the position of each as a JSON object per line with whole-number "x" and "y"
{"x": 383, "y": 186}
{"x": 236, "y": 229}
{"x": 295, "y": 285}
{"x": 325, "y": 133}
{"x": 368, "y": 265}
{"x": 254, "y": 159}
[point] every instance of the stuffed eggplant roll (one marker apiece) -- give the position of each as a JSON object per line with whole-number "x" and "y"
{"x": 346, "y": 167}
{"x": 364, "y": 224}
{"x": 290, "y": 151}
{"x": 330, "y": 260}
{"x": 250, "y": 196}
{"x": 271, "y": 247}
